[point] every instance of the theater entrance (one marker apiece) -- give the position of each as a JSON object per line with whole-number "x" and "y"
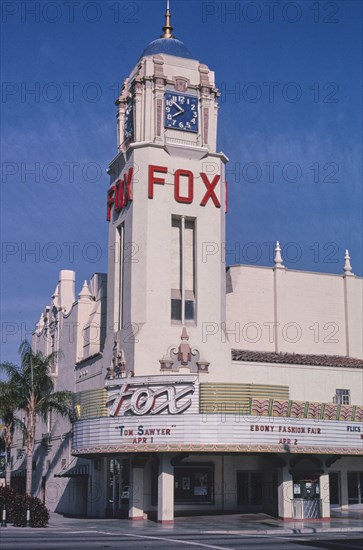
{"x": 355, "y": 487}
{"x": 256, "y": 492}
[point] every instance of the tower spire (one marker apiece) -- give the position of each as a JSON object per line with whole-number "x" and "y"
{"x": 168, "y": 29}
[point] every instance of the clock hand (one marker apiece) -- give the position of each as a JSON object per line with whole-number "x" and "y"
{"x": 178, "y": 107}
{"x": 178, "y": 113}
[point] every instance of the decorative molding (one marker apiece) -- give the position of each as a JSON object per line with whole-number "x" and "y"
{"x": 232, "y": 399}
{"x": 97, "y": 355}
{"x": 305, "y": 409}
{"x": 205, "y": 125}
{"x": 181, "y": 84}
{"x": 159, "y": 114}
{"x": 118, "y": 363}
{"x": 183, "y": 356}
{"x": 116, "y": 449}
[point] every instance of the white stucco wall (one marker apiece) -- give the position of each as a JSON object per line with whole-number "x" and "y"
{"x": 313, "y": 313}
{"x": 305, "y": 382}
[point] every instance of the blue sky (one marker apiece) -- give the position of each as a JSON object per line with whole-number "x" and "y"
{"x": 290, "y": 122}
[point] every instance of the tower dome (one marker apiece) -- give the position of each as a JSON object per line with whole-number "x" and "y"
{"x": 167, "y": 43}
{"x": 170, "y": 46}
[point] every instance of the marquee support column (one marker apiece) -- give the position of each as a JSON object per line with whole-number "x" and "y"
{"x": 136, "y": 509}
{"x": 285, "y": 493}
{"x": 166, "y": 490}
{"x": 325, "y": 495}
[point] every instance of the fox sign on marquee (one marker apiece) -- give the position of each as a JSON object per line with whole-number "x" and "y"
{"x": 135, "y": 397}
{"x": 120, "y": 193}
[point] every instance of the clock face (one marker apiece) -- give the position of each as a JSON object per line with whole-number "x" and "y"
{"x": 129, "y": 122}
{"x": 181, "y": 112}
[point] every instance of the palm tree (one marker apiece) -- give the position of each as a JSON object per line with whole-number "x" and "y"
{"x": 34, "y": 385}
{"x": 8, "y": 406}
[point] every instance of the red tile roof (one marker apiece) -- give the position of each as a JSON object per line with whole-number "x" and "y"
{"x": 296, "y": 359}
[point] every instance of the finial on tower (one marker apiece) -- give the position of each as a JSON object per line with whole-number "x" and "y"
{"x": 278, "y": 257}
{"x": 347, "y": 264}
{"x": 85, "y": 294}
{"x": 168, "y": 29}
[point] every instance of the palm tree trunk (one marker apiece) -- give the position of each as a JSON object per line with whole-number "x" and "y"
{"x": 30, "y": 440}
{"x": 8, "y": 435}
{"x": 7, "y": 467}
{"x": 29, "y": 473}
{"x": 7, "y": 475}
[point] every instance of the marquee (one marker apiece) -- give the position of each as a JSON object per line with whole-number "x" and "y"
{"x": 162, "y": 413}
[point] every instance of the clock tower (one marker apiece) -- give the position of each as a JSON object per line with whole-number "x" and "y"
{"x": 166, "y": 207}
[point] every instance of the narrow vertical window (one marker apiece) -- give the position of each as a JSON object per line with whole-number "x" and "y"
{"x": 176, "y": 264}
{"x": 182, "y": 269}
{"x": 121, "y": 260}
{"x": 188, "y": 252}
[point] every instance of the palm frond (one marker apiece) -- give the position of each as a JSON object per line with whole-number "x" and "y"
{"x": 20, "y": 425}
{"x": 59, "y": 402}
{"x": 9, "y": 369}
{"x": 10, "y": 396}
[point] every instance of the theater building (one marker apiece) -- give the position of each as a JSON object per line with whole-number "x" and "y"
{"x": 198, "y": 388}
